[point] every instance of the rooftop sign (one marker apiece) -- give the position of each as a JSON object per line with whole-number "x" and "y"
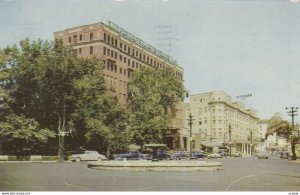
{"x": 140, "y": 42}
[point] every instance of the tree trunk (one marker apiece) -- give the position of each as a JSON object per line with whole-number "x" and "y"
{"x": 293, "y": 146}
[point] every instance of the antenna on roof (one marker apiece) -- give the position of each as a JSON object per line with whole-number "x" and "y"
{"x": 103, "y": 17}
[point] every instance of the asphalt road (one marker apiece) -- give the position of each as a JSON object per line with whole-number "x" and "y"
{"x": 238, "y": 174}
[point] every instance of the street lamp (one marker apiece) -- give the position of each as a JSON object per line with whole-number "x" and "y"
{"x": 229, "y": 139}
{"x": 61, "y": 137}
{"x": 190, "y": 120}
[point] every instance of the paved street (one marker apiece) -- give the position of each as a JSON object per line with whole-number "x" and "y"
{"x": 239, "y": 174}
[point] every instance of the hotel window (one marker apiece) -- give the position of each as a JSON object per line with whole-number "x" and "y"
{"x": 108, "y": 51}
{"x": 125, "y": 47}
{"x": 104, "y": 51}
{"x": 121, "y": 57}
{"x": 75, "y": 38}
{"x": 116, "y": 55}
{"x": 116, "y": 67}
{"x": 137, "y": 53}
{"x": 108, "y": 39}
{"x": 132, "y": 64}
{"x": 121, "y": 70}
{"x": 129, "y": 50}
{"x": 133, "y": 52}
{"x": 116, "y": 43}
{"x": 91, "y": 49}
{"x": 111, "y": 53}
{"x": 104, "y": 37}
{"x": 70, "y": 39}
{"x": 80, "y": 50}
{"x": 91, "y": 36}
{"x": 80, "y": 37}
{"x": 128, "y": 62}
{"x": 111, "y": 67}
{"x": 125, "y": 59}
{"x": 151, "y": 61}
{"x": 121, "y": 45}
{"x": 140, "y": 56}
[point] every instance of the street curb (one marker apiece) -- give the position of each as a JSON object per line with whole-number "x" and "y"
{"x": 156, "y": 166}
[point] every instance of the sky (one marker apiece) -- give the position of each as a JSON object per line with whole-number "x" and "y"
{"x": 236, "y": 46}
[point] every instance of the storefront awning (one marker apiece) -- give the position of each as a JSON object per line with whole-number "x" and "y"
{"x": 212, "y": 144}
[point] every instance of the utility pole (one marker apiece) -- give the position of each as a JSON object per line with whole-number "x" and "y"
{"x": 190, "y": 120}
{"x": 292, "y": 112}
{"x": 229, "y": 139}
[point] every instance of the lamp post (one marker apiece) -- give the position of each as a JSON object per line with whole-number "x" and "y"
{"x": 229, "y": 139}
{"x": 292, "y": 112}
{"x": 190, "y": 120}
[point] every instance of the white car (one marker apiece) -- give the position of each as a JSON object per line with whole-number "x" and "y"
{"x": 214, "y": 155}
{"x": 88, "y": 155}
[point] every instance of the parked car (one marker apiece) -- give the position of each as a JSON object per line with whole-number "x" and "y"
{"x": 178, "y": 155}
{"x": 87, "y": 155}
{"x": 222, "y": 154}
{"x": 237, "y": 154}
{"x": 263, "y": 156}
{"x": 161, "y": 155}
{"x": 199, "y": 154}
{"x": 256, "y": 154}
{"x": 214, "y": 155}
{"x": 284, "y": 155}
{"x": 131, "y": 155}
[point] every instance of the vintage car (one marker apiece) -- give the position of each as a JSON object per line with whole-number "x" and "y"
{"x": 88, "y": 156}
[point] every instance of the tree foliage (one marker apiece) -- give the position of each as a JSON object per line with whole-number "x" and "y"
{"x": 283, "y": 128}
{"x": 20, "y": 132}
{"x": 47, "y": 82}
{"x": 153, "y": 97}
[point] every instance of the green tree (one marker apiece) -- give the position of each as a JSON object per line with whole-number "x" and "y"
{"x": 285, "y": 129}
{"x": 18, "y": 132}
{"x": 153, "y": 97}
{"x": 62, "y": 92}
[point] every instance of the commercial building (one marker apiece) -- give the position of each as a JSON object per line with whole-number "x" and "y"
{"x": 121, "y": 54}
{"x": 219, "y": 124}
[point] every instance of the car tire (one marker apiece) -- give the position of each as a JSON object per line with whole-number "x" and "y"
{"x": 77, "y": 160}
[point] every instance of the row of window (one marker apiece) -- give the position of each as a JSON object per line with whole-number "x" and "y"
{"x": 134, "y": 52}
{"x": 75, "y": 38}
{"x": 111, "y": 66}
{"x": 114, "y": 54}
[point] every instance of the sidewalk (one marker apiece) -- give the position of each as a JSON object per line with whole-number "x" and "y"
{"x": 24, "y": 161}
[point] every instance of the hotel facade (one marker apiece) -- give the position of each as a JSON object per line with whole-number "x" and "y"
{"x": 121, "y": 54}
{"x": 219, "y": 124}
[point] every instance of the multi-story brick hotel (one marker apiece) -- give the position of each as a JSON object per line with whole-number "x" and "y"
{"x": 121, "y": 54}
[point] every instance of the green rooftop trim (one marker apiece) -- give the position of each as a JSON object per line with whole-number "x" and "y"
{"x": 141, "y": 43}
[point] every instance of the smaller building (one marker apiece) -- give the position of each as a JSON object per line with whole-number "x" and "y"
{"x": 219, "y": 124}
{"x": 272, "y": 144}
